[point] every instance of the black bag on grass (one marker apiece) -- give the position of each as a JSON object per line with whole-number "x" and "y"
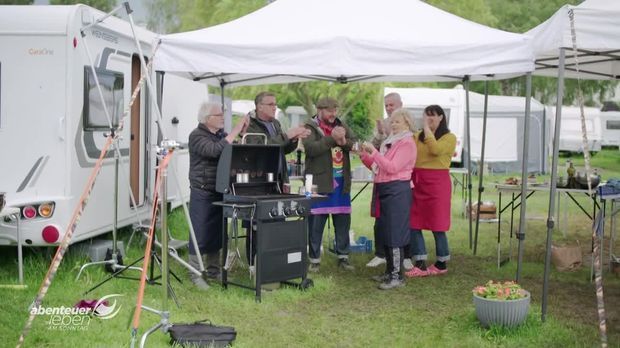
{"x": 202, "y": 334}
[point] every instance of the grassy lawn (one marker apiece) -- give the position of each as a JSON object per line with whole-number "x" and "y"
{"x": 346, "y": 309}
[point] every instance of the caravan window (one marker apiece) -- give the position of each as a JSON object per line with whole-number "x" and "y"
{"x": 613, "y": 124}
{"x": 417, "y": 116}
{"x": 112, "y": 84}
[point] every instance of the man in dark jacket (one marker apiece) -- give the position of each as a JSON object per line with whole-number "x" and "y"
{"x": 327, "y": 159}
{"x": 206, "y": 143}
{"x": 263, "y": 121}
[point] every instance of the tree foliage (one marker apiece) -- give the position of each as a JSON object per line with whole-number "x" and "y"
{"x": 167, "y": 16}
{"x": 16, "y": 2}
{"x": 103, "y": 5}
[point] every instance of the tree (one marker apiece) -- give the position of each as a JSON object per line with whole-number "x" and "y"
{"x": 103, "y": 5}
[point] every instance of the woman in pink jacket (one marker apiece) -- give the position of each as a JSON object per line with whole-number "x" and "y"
{"x": 392, "y": 166}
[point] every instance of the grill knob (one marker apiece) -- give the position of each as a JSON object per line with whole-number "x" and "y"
{"x": 287, "y": 211}
{"x": 273, "y": 212}
{"x": 301, "y": 210}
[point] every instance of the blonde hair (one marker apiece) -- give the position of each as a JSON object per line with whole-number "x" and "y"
{"x": 406, "y": 116}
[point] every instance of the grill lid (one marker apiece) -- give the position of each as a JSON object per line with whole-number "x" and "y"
{"x": 257, "y": 161}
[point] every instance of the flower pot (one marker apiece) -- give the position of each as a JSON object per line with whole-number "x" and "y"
{"x": 508, "y": 313}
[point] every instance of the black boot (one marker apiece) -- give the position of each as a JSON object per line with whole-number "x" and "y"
{"x": 213, "y": 266}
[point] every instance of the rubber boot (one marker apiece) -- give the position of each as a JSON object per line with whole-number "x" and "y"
{"x": 198, "y": 280}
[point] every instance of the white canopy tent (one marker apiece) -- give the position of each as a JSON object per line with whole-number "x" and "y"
{"x": 351, "y": 41}
{"x": 344, "y": 41}
{"x": 597, "y": 33}
{"x": 577, "y": 42}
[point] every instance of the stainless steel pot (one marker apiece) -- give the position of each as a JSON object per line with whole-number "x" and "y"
{"x": 582, "y": 180}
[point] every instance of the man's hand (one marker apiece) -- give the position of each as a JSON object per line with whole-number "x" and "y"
{"x": 239, "y": 128}
{"x": 300, "y": 132}
{"x": 380, "y": 129}
{"x": 339, "y": 133}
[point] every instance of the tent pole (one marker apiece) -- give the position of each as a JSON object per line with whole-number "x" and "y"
{"x": 481, "y": 166}
{"x": 524, "y": 170}
{"x": 554, "y": 178}
{"x": 227, "y": 120}
{"x": 468, "y": 145}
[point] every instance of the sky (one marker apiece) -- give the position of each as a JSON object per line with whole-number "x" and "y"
{"x": 138, "y": 6}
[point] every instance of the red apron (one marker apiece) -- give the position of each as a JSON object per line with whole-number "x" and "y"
{"x": 432, "y": 195}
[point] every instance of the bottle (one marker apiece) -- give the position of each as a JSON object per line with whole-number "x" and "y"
{"x": 571, "y": 170}
{"x": 298, "y": 170}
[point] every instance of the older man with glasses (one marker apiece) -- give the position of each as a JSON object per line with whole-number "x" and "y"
{"x": 263, "y": 121}
{"x": 206, "y": 143}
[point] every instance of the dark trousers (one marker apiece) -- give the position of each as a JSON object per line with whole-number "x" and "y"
{"x": 342, "y": 224}
{"x": 380, "y": 244}
{"x": 206, "y": 220}
{"x": 394, "y": 262}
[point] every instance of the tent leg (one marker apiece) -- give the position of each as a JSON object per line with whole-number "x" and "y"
{"x": 468, "y": 145}
{"x": 481, "y": 167}
{"x": 552, "y": 190}
{"x": 524, "y": 170}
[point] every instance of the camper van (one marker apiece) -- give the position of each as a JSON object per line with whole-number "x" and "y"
{"x": 571, "y": 139}
{"x": 52, "y": 124}
{"x": 505, "y": 124}
{"x": 610, "y": 127}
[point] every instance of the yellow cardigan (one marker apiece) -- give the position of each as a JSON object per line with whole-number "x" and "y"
{"x": 433, "y": 153}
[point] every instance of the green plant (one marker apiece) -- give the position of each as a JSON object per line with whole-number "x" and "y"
{"x": 508, "y": 290}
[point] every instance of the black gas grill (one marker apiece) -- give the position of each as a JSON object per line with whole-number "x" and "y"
{"x": 281, "y": 228}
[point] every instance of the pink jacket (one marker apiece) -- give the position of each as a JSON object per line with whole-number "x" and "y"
{"x": 397, "y": 163}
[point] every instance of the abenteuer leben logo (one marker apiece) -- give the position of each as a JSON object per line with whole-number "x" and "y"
{"x": 78, "y": 318}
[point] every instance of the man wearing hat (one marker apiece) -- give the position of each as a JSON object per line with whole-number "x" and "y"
{"x": 327, "y": 159}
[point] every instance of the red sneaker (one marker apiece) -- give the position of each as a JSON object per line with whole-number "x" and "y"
{"x": 433, "y": 270}
{"x": 416, "y": 272}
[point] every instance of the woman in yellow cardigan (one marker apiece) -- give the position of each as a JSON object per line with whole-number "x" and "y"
{"x": 432, "y": 192}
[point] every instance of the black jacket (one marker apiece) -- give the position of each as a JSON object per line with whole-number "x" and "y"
{"x": 204, "y": 152}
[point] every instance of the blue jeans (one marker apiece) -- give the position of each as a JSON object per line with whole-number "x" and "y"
{"x": 419, "y": 248}
{"x": 342, "y": 223}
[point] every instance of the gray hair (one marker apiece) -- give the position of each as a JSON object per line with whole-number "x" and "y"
{"x": 407, "y": 117}
{"x": 207, "y": 109}
{"x": 394, "y": 96}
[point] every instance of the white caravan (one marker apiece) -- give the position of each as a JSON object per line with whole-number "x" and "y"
{"x": 571, "y": 139}
{"x": 52, "y": 123}
{"x": 505, "y": 117}
{"x": 610, "y": 127}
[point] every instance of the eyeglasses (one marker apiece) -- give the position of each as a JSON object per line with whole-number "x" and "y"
{"x": 221, "y": 114}
{"x": 270, "y": 104}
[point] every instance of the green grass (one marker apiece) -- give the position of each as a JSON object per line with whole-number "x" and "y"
{"x": 346, "y": 309}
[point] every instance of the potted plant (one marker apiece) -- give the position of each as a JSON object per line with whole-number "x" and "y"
{"x": 501, "y": 303}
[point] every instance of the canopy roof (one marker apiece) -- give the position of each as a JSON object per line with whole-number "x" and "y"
{"x": 345, "y": 41}
{"x": 597, "y": 33}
